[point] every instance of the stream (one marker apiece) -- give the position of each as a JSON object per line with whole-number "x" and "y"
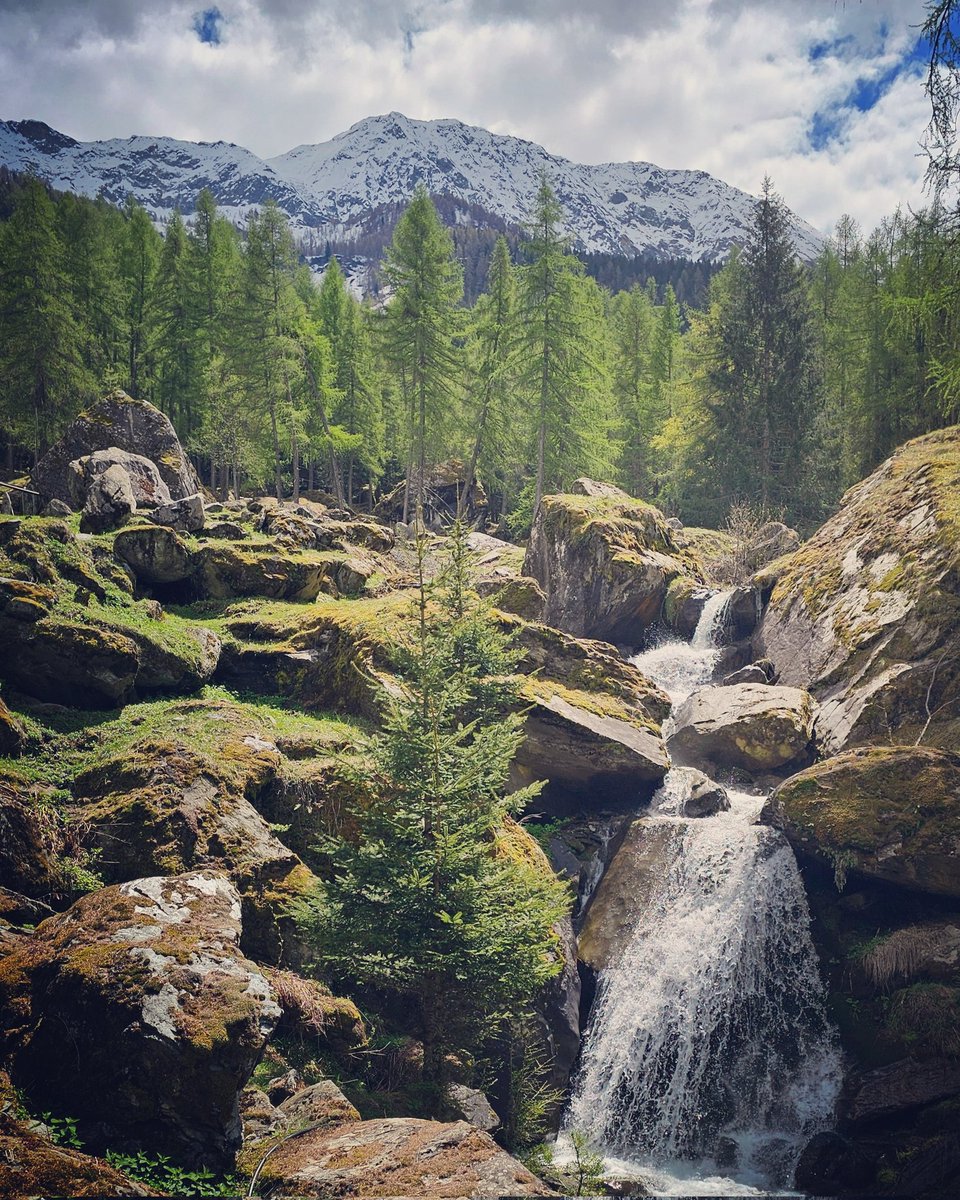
{"x": 709, "y": 1059}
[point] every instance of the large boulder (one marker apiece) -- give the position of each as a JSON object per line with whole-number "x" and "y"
{"x": 396, "y": 1157}
{"x": 155, "y": 554}
{"x": 748, "y": 725}
{"x": 585, "y": 753}
{"x": 145, "y": 481}
{"x": 866, "y": 614}
{"x": 605, "y": 563}
{"x": 117, "y": 421}
{"x": 136, "y": 1012}
{"x": 891, "y": 813}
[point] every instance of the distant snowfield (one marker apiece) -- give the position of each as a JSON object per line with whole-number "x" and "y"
{"x": 328, "y": 189}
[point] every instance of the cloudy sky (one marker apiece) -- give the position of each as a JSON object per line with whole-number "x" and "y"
{"x": 825, "y": 96}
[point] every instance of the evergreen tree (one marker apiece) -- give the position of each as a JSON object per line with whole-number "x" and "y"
{"x": 173, "y": 340}
{"x": 43, "y": 376}
{"x": 763, "y": 383}
{"x": 423, "y": 905}
{"x": 562, "y": 366}
{"x": 421, "y": 329}
{"x": 632, "y": 322}
{"x": 139, "y": 257}
{"x": 491, "y": 406}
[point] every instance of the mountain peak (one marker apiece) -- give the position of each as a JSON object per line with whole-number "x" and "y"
{"x": 333, "y": 189}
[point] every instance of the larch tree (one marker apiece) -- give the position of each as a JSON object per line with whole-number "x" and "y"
{"x": 422, "y": 327}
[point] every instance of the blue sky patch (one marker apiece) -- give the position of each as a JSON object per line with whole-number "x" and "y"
{"x": 206, "y": 25}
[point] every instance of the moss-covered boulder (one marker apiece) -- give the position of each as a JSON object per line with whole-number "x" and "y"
{"x": 135, "y": 1012}
{"x": 396, "y": 1157}
{"x": 753, "y": 726}
{"x": 228, "y": 569}
{"x": 155, "y": 554}
{"x": 866, "y": 614}
{"x": 891, "y": 813}
{"x": 31, "y": 839}
{"x": 589, "y": 754}
{"x": 605, "y": 563}
{"x": 182, "y": 796}
{"x": 117, "y": 420}
{"x": 13, "y": 734}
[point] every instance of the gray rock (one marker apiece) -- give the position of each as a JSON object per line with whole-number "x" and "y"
{"x": 185, "y": 515}
{"x": 117, "y": 420}
{"x": 148, "y": 487}
{"x": 462, "y": 1103}
{"x": 57, "y": 508}
{"x": 228, "y": 530}
{"x": 148, "y": 1016}
{"x": 154, "y": 553}
{"x": 758, "y": 728}
{"x": 320, "y": 1104}
{"x": 110, "y": 501}
{"x": 758, "y": 672}
{"x": 901, "y": 1087}
{"x": 583, "y": 752}
{"x": 560, "y": 1009}
{"x": 706, "y": 797}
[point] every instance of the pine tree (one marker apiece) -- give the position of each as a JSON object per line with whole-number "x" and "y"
{"x": 423, "y": 906}
{"x": 563, "y": 370}
{"x": 173, "y": 333}
{"x": 43, "y": 376}
{"x": 139, "y": 257}
{"x": 632, "y": 327}
{"x": 491, "y": 405}
{"x": 421, "y": 327}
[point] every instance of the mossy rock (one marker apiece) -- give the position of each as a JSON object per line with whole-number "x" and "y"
{"x": 228, "y": 569}
{"x": 891, "y": 813}
{"x": 136, "y": 1013}
{"x": 605, "y": 563}
{"x": 866, "y": 614}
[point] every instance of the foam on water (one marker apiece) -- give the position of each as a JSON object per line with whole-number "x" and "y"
{"x": 709, "y": 1038}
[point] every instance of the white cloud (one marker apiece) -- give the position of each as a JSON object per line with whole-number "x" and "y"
{"x": 728, "y": 86}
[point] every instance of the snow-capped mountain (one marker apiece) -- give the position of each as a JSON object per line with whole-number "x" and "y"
{"x": 333, "y": 189}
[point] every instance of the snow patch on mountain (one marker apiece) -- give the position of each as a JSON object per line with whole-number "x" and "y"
{"x": 330, "y": 188}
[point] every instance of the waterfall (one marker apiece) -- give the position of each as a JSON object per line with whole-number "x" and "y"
{"x": 709, "y": 1054}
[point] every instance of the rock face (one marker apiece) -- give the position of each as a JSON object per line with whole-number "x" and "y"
{"x": 398, "y": 1157}
{"x": 891, "y": 813}
{"x": 136, "y": 1008}
{"x": 756, "y": 727}
{"x": 902, "y": 1086}
{"x": 154, "y": 553}
{"x": 866, "y": 614}
{"x": 127, "y": 424}
{"x": 605, "y": 563}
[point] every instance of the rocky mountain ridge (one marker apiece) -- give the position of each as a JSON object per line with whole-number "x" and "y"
{"x": 336, "y": 190}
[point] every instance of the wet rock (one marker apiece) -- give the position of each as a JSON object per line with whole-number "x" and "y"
{"x": 185, "y": 515}
{"x": 741, "y": 613}
{"x": 761, "y": 671}
{"x": 398, "y": 1157}
{"x": 706, "y": 797}
{"x": 118, "y": 421}
{"x": 865, "y": 614}
{"x": 891, "y": 813}
{"x": 145, "y": 482}
{"x": 683, "y": 605}
{"x": 560, "y": 1010}
{"x": 628, "y": 886}
{"x": 758, "y": 728}
{"x": 155, "y": 554}
{"x": 110, "y": 501}
{"x": 605, "y": 564}
{"x": 832, "y": 1164}
{"x": 136, "y": 1012}
{"x": 901, "y": 1087}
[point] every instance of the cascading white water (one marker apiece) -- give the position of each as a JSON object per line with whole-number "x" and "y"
{"x": 709, "y": 1038}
